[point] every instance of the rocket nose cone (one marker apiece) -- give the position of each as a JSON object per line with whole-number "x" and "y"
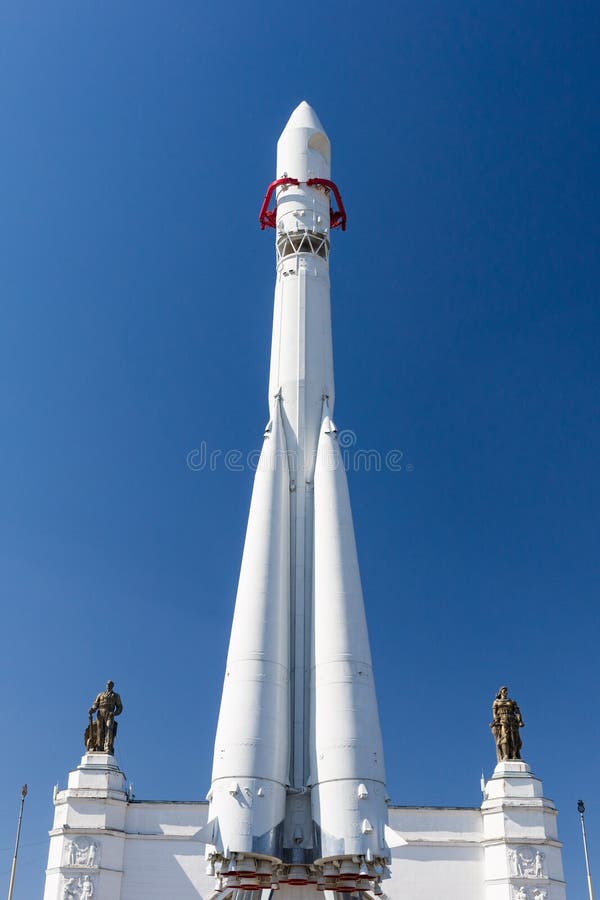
{"x": 303, "y": 149}
{"x": 304, "y": 116}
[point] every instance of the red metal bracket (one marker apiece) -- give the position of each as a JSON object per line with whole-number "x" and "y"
{"x": 338, "y": 216}
{"x": 268, "y": 217}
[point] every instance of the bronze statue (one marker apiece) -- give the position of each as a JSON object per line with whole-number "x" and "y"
{"x": 100, "y": 734}
{"x": 505, "y": 725}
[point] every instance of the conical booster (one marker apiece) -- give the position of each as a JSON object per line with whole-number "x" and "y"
{"x": 251, "y": 759}
{"x": 348, "y": 793}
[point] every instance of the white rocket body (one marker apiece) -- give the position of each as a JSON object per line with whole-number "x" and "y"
{"x": 250, "y": 767}
{"x": 348, "y": 778}
{"x": 298, "y": 792}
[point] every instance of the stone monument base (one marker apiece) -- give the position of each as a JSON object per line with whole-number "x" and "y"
{"x": 520, "y": 842}
{"x": 87, "y": 841}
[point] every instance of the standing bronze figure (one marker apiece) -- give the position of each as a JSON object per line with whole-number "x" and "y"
{"x": 100, "y": 734}
{"x": 505, "y": 725}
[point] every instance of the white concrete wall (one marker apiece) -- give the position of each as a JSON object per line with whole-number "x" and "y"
{"x": 443, "y": 857}
{"x": 143, "y": 850}
{"x": 162, "y": 861}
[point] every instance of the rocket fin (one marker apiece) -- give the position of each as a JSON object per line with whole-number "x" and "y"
{"x": 393, "y": 838}
{"x": 208, "y": 832}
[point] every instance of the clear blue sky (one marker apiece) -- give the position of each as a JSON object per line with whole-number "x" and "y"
{"x": 136, "y": 288}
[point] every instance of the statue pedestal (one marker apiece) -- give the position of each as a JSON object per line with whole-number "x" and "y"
{"x": 513, "y": 778}
{"x": 87, "y": 841}
{"x": 521, "y": 848}
{"x": 98, "y": 772}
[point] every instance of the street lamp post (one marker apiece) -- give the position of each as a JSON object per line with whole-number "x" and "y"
{"x": 14, "y": 862}
{"x": 581, "y": 811}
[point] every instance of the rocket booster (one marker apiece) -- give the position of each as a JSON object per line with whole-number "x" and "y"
{"x": 298, "y": 795}
{"x": 250, "y": 767}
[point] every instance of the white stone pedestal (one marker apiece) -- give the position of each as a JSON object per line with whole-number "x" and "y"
{"x": 522, "y": 852}
{"x": 87, "y": 840}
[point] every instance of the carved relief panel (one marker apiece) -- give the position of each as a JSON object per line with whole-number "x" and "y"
{"x": 78, "y": 888}
{"x": 81, "y": 853}
{"x": 526, "y": 862}
{"x": 520, "y": 892}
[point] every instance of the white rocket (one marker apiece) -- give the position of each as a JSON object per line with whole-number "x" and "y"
{"x": 298, "y": 798}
